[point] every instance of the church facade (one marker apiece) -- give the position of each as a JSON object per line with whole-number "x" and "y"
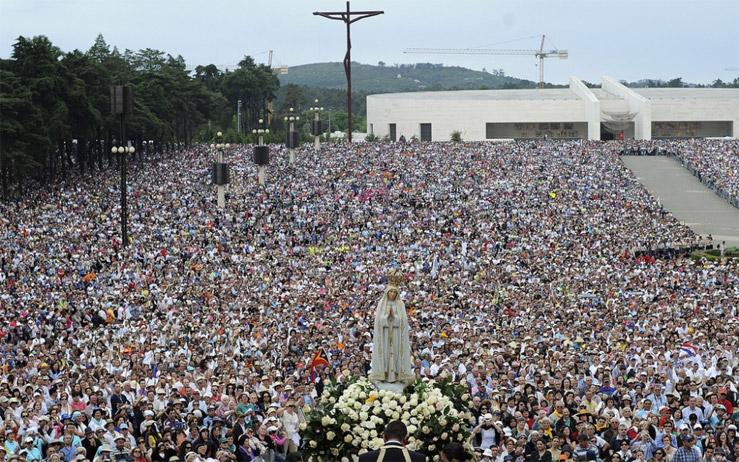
{"x": 612, "y": 111}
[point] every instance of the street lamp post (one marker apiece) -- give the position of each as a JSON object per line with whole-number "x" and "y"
{"x": 316, "y": 128}
{"x": 122, "y": 151}
{"x": 261, "y": 152}
{"x": 292, "y": 139}
{"x": 220, "y": 169}
{"x": 121, "y": 104}
{"x": 238, "y": 117}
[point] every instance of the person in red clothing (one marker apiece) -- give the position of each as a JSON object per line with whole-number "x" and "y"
{"x": 724, "y": 401}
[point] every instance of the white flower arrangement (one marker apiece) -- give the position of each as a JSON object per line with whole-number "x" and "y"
{"x": 350, "y": 417}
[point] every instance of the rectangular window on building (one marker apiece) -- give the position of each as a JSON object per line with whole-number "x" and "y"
{"x": 391, "y": 131}
{"x": 425, "y": 132}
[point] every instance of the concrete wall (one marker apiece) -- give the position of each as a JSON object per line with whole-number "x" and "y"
{"x": 553, "y": 130}
{"x": 469, "y": 116}
{"x": 690, "y": 129}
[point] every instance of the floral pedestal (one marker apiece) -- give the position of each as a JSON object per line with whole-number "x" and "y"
{"x": 349, "y": 418}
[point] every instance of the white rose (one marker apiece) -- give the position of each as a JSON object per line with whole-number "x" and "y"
{"x": 363, "y": 451}
{"x": 460, "y": 437}
{"x": 414, "y": 411}
{"x": 313, "y": 444}
{"x": 377, "y": 411}
{"x": 363, "y": 416}
{"x": 373, "y": 394}
{"x": 406, "y": 416}
{"x": 364, "y": 444}
{"x": 303, "y": 425}
{"x": 465, "y": 397}
{"x": 432, "y": 400}
{"x": 432, "y": 447}
{"x": 345, "y": 427}
{"x": 396, "y": 416}
{"x": 330, "y": 436}
{"x": 334, "y": 451}
{"x": 455, "y": 428}
{"x": 444, "y": 435}
{"x": 357, "y": 405}
{"x": 363, "y": 395}
{"x": 344, "y": 459}
{"x": 326, "y": 421}
{"x": 403, "y": 399}
{"x": 412, "y": 429}
{"x": 436, "y": 459}
{"x": 348, "y": 439}
{"x": 332, "y": 400}
{"x": 426, "y": 430}
{"x": 373, "y": 433}
{"x": 413, "y": 420}
{"x": 383, "y": 393}
{"x": 426, "y": 412}
{"x": 443, "y": 422}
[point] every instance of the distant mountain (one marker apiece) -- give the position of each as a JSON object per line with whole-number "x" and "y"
{"x": 367, "y": 78}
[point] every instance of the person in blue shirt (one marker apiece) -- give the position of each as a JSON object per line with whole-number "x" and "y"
{"x": 33, "y": 451}
{"x": 11, "y": 445}
{"x": 68, "y": 450}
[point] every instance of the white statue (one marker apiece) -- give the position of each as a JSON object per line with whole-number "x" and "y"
{"x": 391, "y": 348}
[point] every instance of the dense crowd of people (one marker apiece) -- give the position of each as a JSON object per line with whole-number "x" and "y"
{"x": 714, "y": 162}
{"x": 195, "y": 342}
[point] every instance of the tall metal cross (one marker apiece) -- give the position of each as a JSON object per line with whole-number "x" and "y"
{"x": 348, "y": 17}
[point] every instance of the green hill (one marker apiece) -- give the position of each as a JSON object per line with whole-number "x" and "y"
{"x": 367, "y": 78}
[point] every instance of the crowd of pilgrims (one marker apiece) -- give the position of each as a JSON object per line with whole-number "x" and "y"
{"x": 196, "y": 341}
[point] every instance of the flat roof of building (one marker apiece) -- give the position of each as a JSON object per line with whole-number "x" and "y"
{"x": 518, "y": 95}
{"x": 688, "y": 93}
{"x": 550, "y": 94}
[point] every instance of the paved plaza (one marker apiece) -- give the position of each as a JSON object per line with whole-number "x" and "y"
{"x": 687, "y": 198}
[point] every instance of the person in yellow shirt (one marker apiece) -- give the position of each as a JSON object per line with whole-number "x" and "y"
{"x": 591, "y": 401}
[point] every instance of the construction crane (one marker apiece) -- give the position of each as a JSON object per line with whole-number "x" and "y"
{"x": 540, "y": 54}
{"x": 276, "y": 70}
{"x": 282, "y": 70}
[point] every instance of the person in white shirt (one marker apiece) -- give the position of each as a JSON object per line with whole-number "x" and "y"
{"x": 291, "y": 423}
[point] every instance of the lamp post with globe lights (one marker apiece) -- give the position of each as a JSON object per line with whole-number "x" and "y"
{"x": 220, "y": 169}
{"x": 261, "y": 152}
{"x": 123, "y": 152}
{"x": 316, "y": 128}
{"x": 292, "y": 139}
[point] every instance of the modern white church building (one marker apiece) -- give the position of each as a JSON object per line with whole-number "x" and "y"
{"x": 613, "y": 111}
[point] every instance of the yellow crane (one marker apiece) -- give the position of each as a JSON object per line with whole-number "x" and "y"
{"x": 540, "y": 54}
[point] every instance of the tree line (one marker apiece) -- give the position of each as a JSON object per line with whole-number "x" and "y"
{"x": 55, "y": 118}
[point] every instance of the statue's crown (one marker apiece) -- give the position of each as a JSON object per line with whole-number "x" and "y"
{"x": 396, "y": 278}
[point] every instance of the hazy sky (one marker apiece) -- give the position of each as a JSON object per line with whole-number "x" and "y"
{"x": 627, "y": 39}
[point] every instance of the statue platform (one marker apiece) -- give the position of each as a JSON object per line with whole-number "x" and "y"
{"x": 395, "y": 387}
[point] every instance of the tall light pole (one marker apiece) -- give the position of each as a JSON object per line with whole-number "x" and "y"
{"x": 292, "y": 140}
{"x": 220, "y": 169}
{"x": 261, "y": 152}
{"x": 316, "y": 128}
{"x": 121, "y": 104}
{"x": 123, "y": 152}
{"x": 238, "y": 117}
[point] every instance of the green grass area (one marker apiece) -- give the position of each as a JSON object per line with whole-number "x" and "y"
{"x": 731, "y": 253}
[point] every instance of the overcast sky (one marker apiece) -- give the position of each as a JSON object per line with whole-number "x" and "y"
{"x": 627, "y": 39}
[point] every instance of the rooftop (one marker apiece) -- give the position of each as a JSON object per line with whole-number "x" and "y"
{"x": 519, "y": 95}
